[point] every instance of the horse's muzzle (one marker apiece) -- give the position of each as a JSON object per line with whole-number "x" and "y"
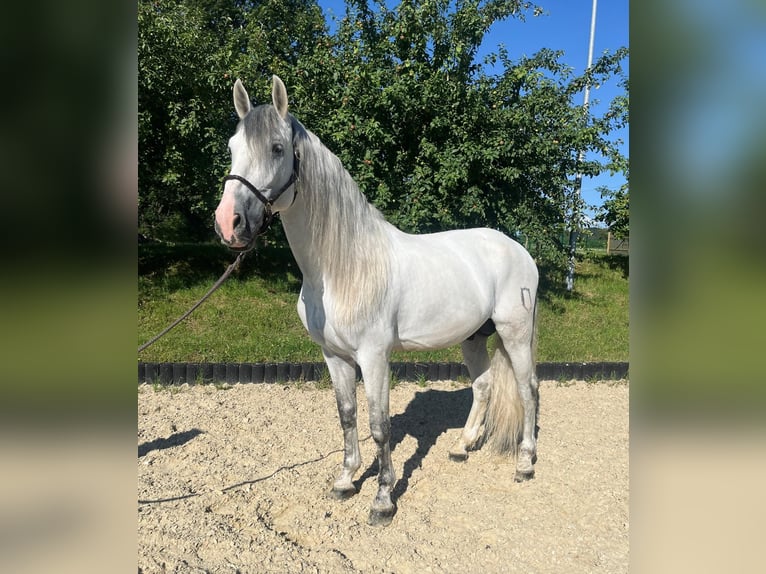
{"x": 234, "y": 242}
{"x": 232, "y": 224}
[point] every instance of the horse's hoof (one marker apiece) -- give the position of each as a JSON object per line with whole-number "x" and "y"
{"x": 458, "y": 456}
{"x": 381, "y": 517}
{"x": 522, "y": 475}
{"x": 341, "y": 494}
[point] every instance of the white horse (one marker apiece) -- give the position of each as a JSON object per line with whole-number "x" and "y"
{"x": 369, "y": 288}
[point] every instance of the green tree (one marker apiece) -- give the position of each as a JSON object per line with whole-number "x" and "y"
{"x": 436, "y": 142}
{"x": 615, "y": 211}
{"x": 432, "y": 138}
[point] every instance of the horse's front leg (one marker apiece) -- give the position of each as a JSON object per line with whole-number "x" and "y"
{"x": 343, "y": 374}
{"x": 375, "y": 373}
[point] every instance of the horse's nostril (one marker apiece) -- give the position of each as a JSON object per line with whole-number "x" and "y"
{"x": 237, "y": 219}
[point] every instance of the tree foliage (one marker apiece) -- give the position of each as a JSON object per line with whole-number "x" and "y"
{"x": 615, "y": 211}
{"x": 431, "y": 136}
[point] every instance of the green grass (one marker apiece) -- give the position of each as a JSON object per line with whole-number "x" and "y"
{"x": 590, "y": 324}
{"x": 252, "y": 317}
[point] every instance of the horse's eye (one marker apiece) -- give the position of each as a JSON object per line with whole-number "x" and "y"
{"x": 277, "y": 149}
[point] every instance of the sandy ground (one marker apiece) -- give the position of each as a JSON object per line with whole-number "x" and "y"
{"x": 235, "y": 480}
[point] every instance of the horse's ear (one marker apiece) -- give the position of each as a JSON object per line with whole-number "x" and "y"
{"x": 279, "y": 96}
{"x": 241, "y": 99}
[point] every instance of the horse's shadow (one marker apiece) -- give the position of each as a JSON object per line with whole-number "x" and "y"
{"x": 429, "y": 415}
{"x": 176, "y": 439}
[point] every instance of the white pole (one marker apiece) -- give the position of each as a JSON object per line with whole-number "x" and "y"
{"x": 590, "y": 49}
{"x": 581, "y": 157}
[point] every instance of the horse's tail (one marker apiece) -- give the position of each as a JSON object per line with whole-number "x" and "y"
{"x": 534, "y": 340}
{"x": 505, "y": 415}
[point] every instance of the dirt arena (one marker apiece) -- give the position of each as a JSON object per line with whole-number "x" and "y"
{"x": 235, "y": 479}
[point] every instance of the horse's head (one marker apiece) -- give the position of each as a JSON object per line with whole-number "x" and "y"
{"x": 263, "y": 168}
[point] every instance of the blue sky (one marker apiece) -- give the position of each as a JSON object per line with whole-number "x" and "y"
{"x": 564, "y": 25}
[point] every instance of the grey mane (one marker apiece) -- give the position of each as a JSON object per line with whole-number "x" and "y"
{"x": 348, "y": 233}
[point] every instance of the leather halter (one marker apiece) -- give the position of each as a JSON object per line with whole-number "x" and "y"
{"x": 267, "y": 203}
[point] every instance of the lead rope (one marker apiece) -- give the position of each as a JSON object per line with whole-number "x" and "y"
{"x": 217, "y": 284}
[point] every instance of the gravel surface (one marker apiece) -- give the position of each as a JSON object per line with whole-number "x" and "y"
{"x": 235, "y": 480}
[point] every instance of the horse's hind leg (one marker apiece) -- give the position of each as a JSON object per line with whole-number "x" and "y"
{"x": 343, "y": 374}
{"x": 477, "y": 361}
{"x": 518, "y": 344}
